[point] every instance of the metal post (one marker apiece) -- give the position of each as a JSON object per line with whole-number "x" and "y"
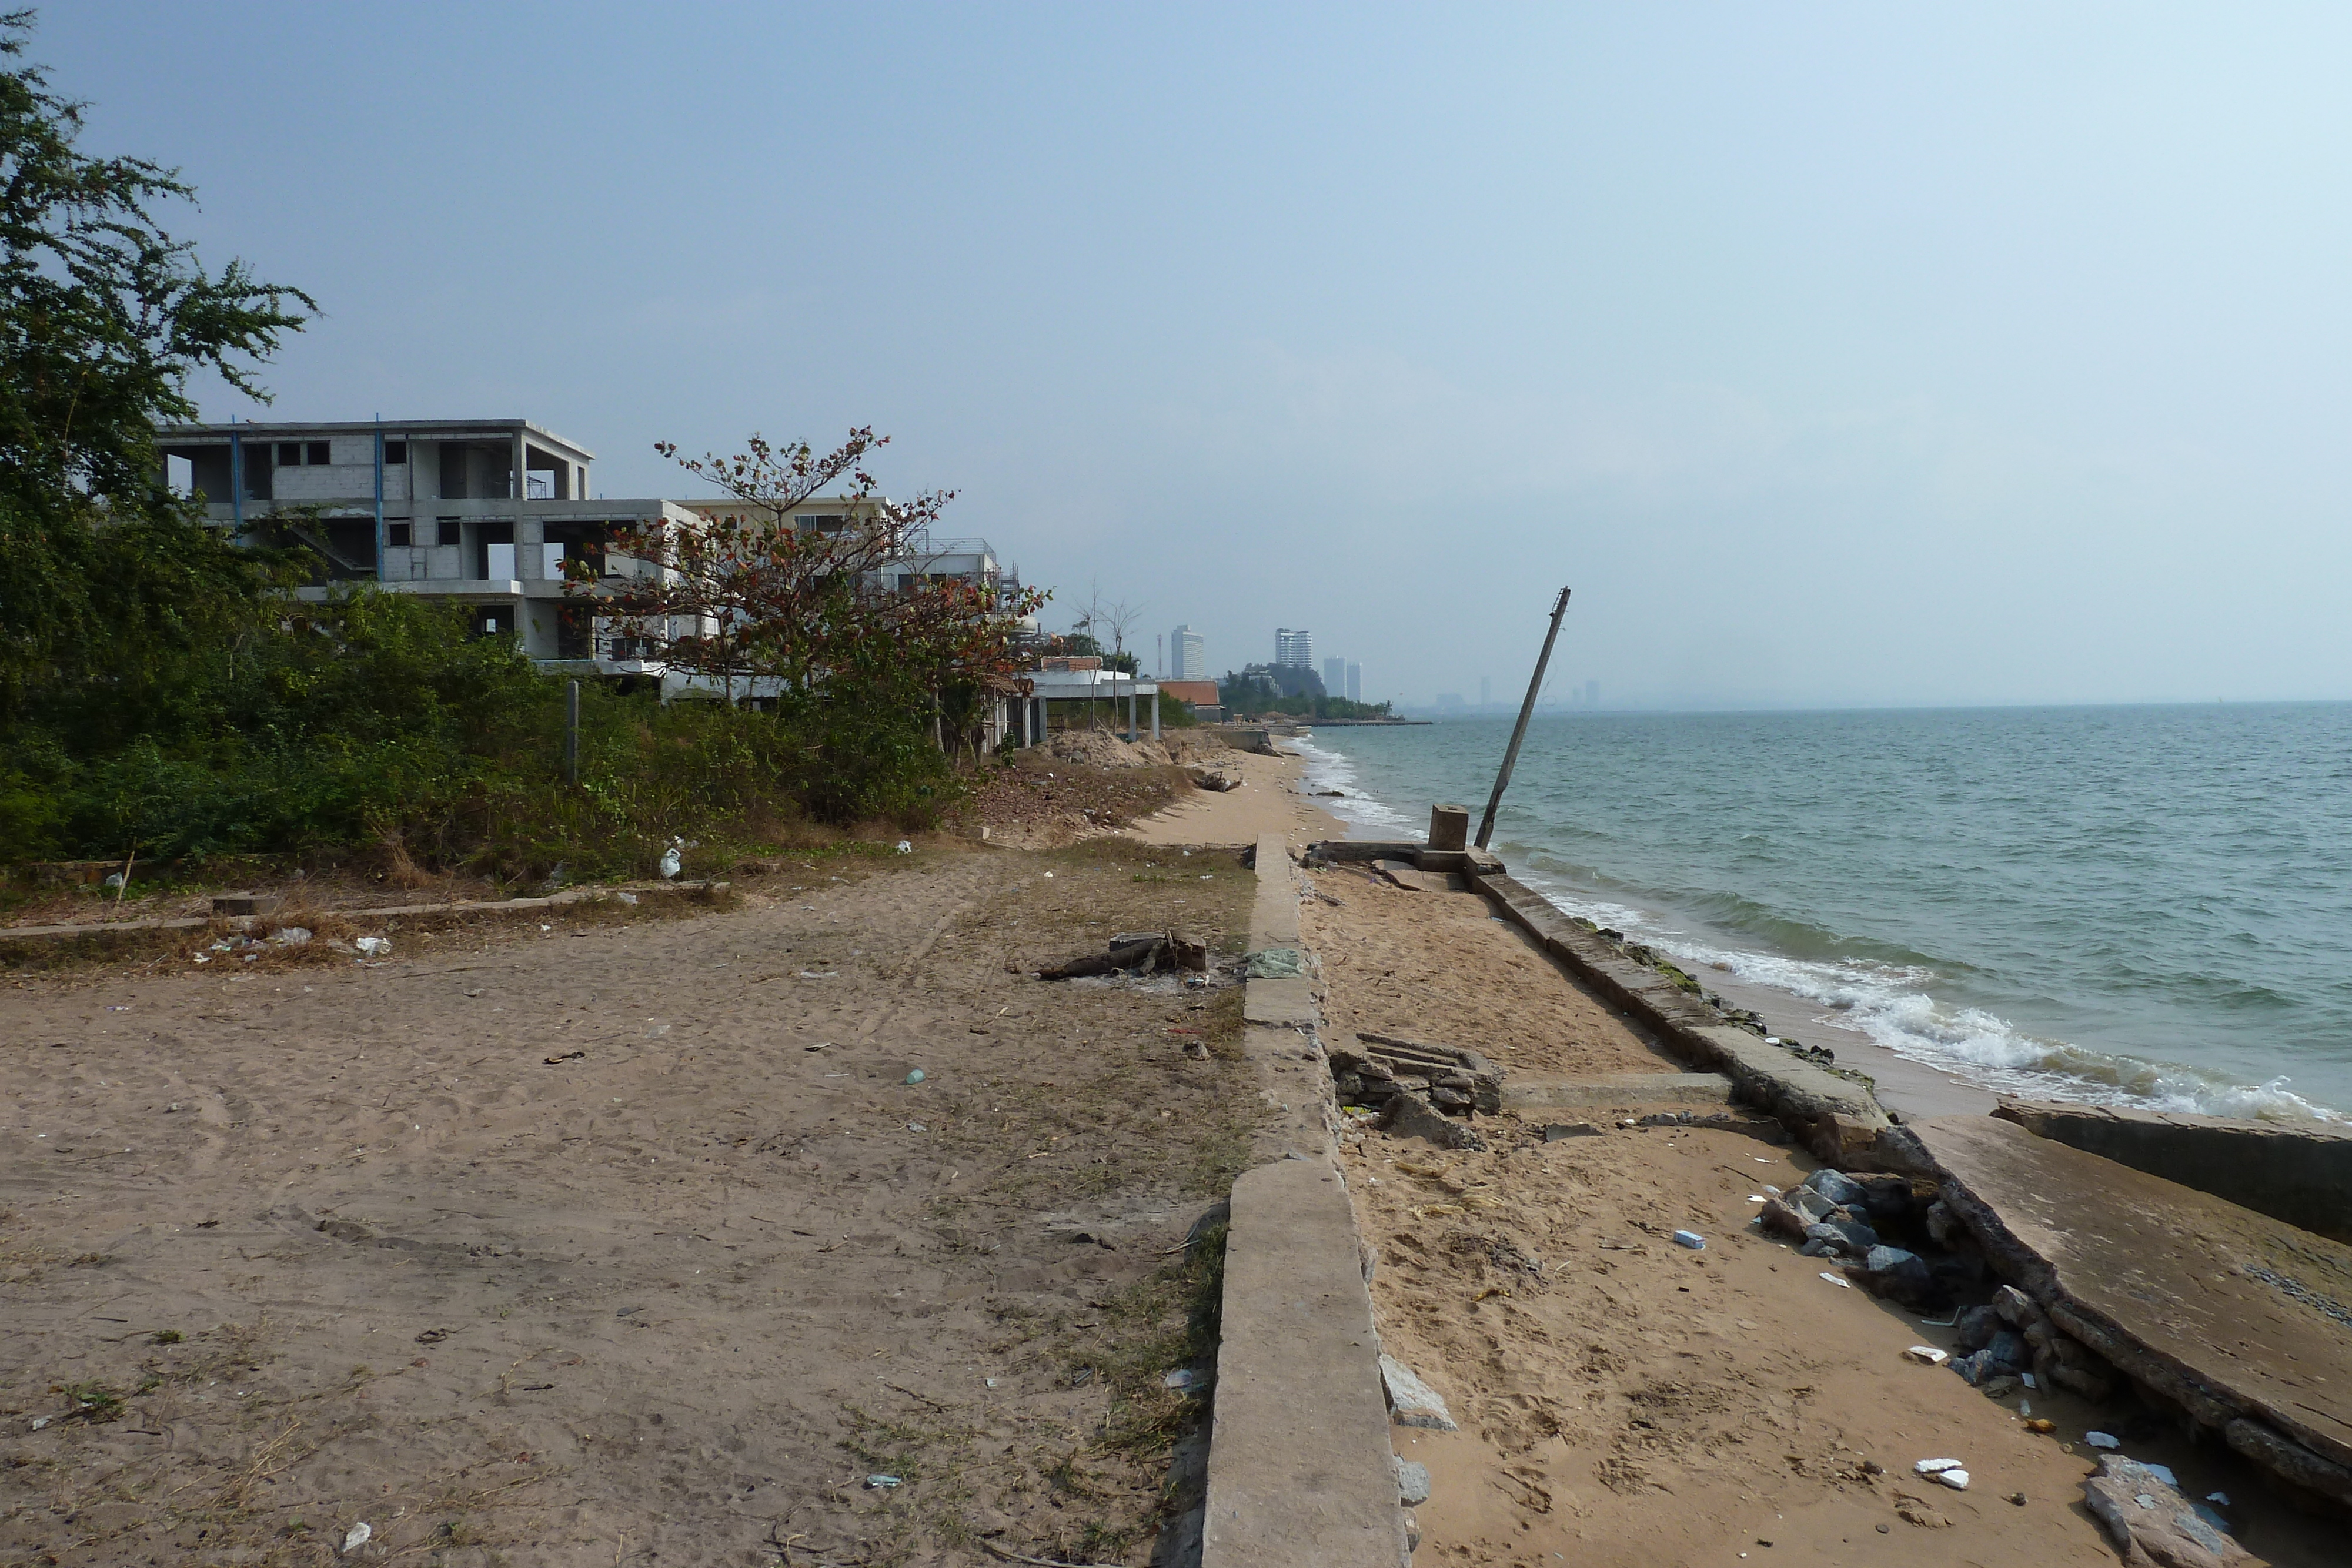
{"x": 572, "y": 734}
{"x": 1519, "y": 730}
{"x": 236, "y": 479}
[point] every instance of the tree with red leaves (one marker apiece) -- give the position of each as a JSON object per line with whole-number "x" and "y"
{"x": 756, "y": 599}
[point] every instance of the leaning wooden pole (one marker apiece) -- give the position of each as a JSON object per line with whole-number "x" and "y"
{"x": 1519, "y": 730}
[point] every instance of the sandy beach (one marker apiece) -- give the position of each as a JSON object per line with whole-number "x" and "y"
{"x": 1623, "y": 1400}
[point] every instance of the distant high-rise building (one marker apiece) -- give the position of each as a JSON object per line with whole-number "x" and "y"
{"x": 1188, "y": 655}
{"x": 1355, "y": 682}
{"x": 1485, "y": 691}
{"x": 1335, "y": 677}
{"x": 1295, "y": 649}
{"x": 1592, "y": 693}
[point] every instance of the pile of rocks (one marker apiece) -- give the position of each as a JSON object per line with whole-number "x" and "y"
{"x": 1456, "y": 1082}
{"x": 2000, "y": 1343}
{"x": 1996, "y": 1346}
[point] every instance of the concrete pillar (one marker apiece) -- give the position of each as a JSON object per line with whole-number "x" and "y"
{"x": 1155, "y": 712}
{"x": 1131, "y": 711}
{"x": 1449, "y": 826}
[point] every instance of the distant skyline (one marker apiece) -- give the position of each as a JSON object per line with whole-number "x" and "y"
{"x": 1837, "y": 355}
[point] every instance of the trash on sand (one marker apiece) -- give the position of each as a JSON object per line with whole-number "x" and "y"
{"x": 1955, "y": 1479}
{"x": 670, "y": 861}
{"x": 917, "y": 1127}
{"x": 2027, "y": 1378}
{"x": 375, "y": 946}
{"x": 905, "y": 847}
{"x": 358, "y": 1536}
{"x": 1936, "y": 1467}
{"x": 1837, "y": 1278}
{"x": 1049, "y": 876}
{"x": 2040, "y": 1424}
{"x": 1929, "y": 1354}
{"x": 916, "y": 1076}
{"x": 567, "y": 1056}
{"x": 882, "y": 1484}
{"x": 290, "y": 935}
{"x": 1180, "y": 1378}
{"x": 813, "y": 975}
{"x": 1690, "y": 1238}
{"x": 40, "y": 1421}
{"x": 820, "y": 1045}
{"x": 2102, "y": 1441}
{"x": 626, "y": 897}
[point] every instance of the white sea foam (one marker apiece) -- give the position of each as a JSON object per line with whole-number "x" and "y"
{"x": 1893, "y": 1004}
{"x": 1328, "y": 769}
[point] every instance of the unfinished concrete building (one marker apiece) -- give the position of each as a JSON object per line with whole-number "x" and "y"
{"x": 485, "y": 513}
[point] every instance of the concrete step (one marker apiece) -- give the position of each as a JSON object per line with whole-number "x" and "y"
{"x": 1526, "y": 1091}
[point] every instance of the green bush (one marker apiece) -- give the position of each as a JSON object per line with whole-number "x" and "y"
{"x": 379, "y": 720}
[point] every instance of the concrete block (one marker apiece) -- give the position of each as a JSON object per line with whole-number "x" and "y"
{"x": 1412, "y": 1402}
{"x": 1524, "y": 1092}
{"x": 1301, "y": 1473}
{"x": 245, "y": 903}
{"x": 1449, "y": 826}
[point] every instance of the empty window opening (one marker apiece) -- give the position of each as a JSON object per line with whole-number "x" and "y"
{"x": 394, "y": 452}
{"x": 580, "y": 544}
{"x": 399, "y": 534}
{"x": 546, "y": 477}
{"x": 476, "y": 471}
{"x": 494, "y": 551}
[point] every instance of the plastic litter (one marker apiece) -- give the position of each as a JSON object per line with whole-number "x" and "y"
{"x": 373, "y": 946}
{"x": 1180, "y": 1378}
{"x": 2102, "y": 1441}
{"x": 1936, "y": 1466}
{"x": 882, "y": 1484}
{"x": 290, "y": 935}
{"x": 1929, "y": 1354}
{"x": 1955, "y": 1479}
{"x": 917, "y": 1127}
{"x": 670, "y": 864}
{"x": 624, "y": 897}
{"x": 1690, "y": 1238}
{"x": 916, "y": 1076}
{"x": 905, "y": 847}
{"x": 359, "y": 1535}
{"x": 41, "y": 1421}
{"x": 1837, "y": 1278}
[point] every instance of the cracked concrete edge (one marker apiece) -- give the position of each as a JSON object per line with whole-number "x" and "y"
{"x": 1838, "y": 1119}
{"x": 1301, "y": 1463}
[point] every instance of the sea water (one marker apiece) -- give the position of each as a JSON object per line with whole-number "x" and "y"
{"x": 2146, "y": 906}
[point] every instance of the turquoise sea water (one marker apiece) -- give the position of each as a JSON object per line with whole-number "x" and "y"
{"x": 2133, "y": 905}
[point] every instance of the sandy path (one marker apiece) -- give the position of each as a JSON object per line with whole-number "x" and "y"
{"x": 671, "y": 1298}
{"x": 1439, "y": 967}
{"x": 1267, "y": 802}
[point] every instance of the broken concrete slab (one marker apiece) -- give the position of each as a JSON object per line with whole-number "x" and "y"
{"x": 2240, "y": 1320}
{"x": 2151, "y": 1523}
{"x": 2300, "y": 1172}
{"x": 1412, "y": 1402}
{"x": 1522, "y": 1092}
{"x": 1301, "y": 1473}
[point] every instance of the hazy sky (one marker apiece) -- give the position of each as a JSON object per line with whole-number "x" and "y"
{"x": 1833, "y": 353}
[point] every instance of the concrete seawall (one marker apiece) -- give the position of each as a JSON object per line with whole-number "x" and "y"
{"x": 2302, "y": 1174}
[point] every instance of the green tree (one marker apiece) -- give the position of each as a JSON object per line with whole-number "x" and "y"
{"x": 104, "y": 316}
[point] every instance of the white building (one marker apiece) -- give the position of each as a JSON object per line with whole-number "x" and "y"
{"x": 1294, "y": 649}
{"x": 1188, "y": 655}
{"x": 1355, "y": 682}
{"x": 1335, "y": 677}
{"x": 434, "y": 508}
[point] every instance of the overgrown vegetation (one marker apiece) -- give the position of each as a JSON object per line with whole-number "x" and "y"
{"x": 162, "y": 697}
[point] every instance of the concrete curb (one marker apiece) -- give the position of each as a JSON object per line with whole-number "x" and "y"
{"x": 1837, "y": 1118}
{"x": 1302, "y": 1471}
{"x": 102, "y": 938}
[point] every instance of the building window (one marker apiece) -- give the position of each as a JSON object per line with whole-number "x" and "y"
{"x": 289, "y": 454}
{"x": 394, "y": 452}
{"x": 445, "y": 532}
{"x": 812, "y": 523}
{"x": 397, "y": 534}
{"x": 320, "y": 454}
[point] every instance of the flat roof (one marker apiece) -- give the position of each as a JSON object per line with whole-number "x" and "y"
{"x": 446, "y": 428}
